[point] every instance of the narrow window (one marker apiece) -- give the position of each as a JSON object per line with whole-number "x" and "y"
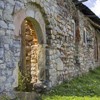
{"x": 84, "y": 36}
{"x": 96, "y": 49}
{"x": 73, "y": 28}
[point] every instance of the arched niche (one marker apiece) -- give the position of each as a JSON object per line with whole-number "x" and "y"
{"x": 37, "y": 21}
{"x": 36, "y": 17}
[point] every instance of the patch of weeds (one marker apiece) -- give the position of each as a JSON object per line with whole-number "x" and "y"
{"x": 24, "y": 83}
{"x": 4, "y": 98}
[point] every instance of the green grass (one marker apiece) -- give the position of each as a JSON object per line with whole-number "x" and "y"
{"x": 86, "y": 87}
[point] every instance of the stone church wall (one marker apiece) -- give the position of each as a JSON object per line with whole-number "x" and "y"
{"x": 65, "y": 58}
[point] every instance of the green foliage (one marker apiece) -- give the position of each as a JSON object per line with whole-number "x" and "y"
{"x": 4, "y": 98}
{"x": 21, "y": 82}
{"x": 24, "y": 82}
{"x": 86, "y": 87}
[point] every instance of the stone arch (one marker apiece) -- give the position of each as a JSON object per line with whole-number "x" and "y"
{"x": 41, "y": 9}
{"x": 34, "y": 15}
{"x": 38, "y": 21}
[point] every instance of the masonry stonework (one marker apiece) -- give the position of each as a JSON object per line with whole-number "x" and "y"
{"x": 59, "y": 24}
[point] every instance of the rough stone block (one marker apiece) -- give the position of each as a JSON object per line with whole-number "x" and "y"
{"x": 1, "y": 88}
{"x": 10, "y": 79}
{"x": 7, "y": 56}
{"x": 10, "y": 65}
{"x": 6, "y": 46}
{"x": 30, "y": 13}
{"x": 3, "y": 24}
{"x": 8, "y": 87}
{"x": 9, "y": 73}
{"x": 1, "y": 53}
{"x": 2, "y": 79}
{"x": 8, "y": 40}
{"x": 2, "y": 66}
{"x": 11, "y": 26}
{"x": 18, "y": 6}
{"x": 8, "y": 17}
{"x": 8, "y": 9}
{"x": 2, "y": 32}
{"x": 12, "y": 2}
{"x": 0, "y": 13}
{"x": 60, "y": 65}
{"x": 1, "y": 61}
{"x": 17, "y": 54}
{"x": 15, "y": 76}
{"x": 2, "y": 5}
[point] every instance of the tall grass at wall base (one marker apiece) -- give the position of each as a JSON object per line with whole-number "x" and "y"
{"x": 86, "y": 87}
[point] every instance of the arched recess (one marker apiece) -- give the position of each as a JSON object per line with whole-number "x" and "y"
{"x": 34, "y": 16}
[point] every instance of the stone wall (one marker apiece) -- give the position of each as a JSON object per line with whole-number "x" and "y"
{"x": 86, "y": 50}
{"x": 9, "y": 48}
{"x": 62, "y": 21}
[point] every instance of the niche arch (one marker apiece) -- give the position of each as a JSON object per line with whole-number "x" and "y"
{"x": 37, "y": 21}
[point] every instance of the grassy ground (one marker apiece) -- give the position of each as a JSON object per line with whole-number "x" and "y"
{"x": 86, "y": 87}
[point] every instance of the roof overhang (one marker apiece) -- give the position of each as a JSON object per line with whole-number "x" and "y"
{"x": 95, "y": 20}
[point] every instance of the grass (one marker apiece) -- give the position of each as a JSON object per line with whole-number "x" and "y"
{"x": 86, "y": 87}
